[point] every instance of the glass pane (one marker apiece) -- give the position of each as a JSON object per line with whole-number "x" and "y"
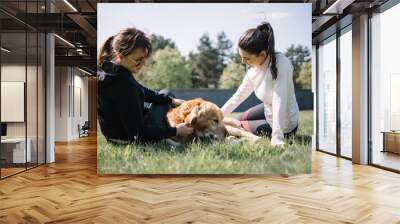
{"x": 13, "y": 86}
{"x": 327, "y": 96}
{"x": 385, "y": 83}
{"x": 346, "y": 94}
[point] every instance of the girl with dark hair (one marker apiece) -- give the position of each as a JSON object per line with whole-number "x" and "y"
{"x": 271, "y": 78}
{"x": 123, "y": 118}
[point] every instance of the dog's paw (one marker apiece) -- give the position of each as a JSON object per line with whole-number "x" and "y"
{"x": 233, "y": 140}
{"x": 230, "y": 137}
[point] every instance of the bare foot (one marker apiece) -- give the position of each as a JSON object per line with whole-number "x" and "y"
{"x": 254, "y": 139}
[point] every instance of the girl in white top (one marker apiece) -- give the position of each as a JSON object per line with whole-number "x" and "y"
{"x": 271, "y": 78}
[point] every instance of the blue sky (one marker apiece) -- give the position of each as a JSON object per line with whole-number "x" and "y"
{"x": 185, "y": 23}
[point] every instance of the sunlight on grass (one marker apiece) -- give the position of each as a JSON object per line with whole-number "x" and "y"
{"x": 225, "y": 157}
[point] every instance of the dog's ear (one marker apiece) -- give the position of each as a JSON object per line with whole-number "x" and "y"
{"x": 191, "y": 119}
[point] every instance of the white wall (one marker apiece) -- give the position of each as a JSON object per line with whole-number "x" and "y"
{"x": 70, "y": 84}
{"x": 14, "y": 72}
{"x": 61, "y": 103}
{"x": 80, "y": 100}
{"x": 13, "y": 76}
{"x": 17, "y": 72}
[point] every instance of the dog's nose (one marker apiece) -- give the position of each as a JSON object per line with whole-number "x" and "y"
{"x": 210, "y": 135}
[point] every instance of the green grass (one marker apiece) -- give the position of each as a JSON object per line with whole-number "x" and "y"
{"x": 224, "y": 157}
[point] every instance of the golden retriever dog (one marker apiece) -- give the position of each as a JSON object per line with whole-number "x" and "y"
{"x": 207, "y": 120}
{"x": 204, "y": 117}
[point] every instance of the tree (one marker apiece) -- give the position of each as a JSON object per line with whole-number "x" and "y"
{"x": 224, "y": 46}
{"x": 169, "y": 70}
{"x": 204, "y": 64}
{"x": 232, "y": 76}
{"x": 304, "y": 78}
{"x": 236, "y": 58}
{"x": 298, "y": 55}
{"x": 209, "y": 62}
{"x": 158, "y": 42}
{"x": 140, "y": 76}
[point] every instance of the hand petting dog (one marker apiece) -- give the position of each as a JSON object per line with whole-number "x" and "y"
{"x": 206, "y": 119}
{"x": 177, "y": 102}
{"x": 203, "y": 116}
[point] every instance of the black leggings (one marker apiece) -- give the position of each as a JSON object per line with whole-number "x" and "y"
{"x": 156, "y": 113}
{"x": 253, "y": 120}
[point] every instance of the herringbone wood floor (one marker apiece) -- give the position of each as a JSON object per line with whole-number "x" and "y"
{"x": 70, "y": 191}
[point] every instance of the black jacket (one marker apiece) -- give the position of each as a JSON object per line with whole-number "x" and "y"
{"x": 120, "y": 106}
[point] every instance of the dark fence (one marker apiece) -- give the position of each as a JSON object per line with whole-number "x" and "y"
{"x": 220, "y": 96}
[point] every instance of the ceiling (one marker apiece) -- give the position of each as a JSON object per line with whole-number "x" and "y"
{"x": 76, "y": 21}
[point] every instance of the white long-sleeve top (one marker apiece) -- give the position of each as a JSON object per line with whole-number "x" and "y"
{"x": 280, "y": 105}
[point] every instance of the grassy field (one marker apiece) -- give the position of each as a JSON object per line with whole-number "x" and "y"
{"x": 227, "y": 157}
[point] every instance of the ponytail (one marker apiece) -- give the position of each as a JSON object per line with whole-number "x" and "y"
{"x": 258, "y": 39}
{"x": 105, "y": 51}
{"x": 267, "y": 29}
